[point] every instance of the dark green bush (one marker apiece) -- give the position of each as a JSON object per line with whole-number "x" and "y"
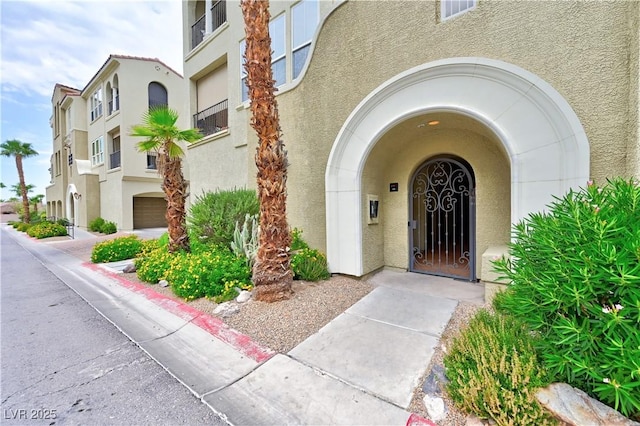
{"x": 575, "y": 274}
{"x": 117, "y": 249}
{"x": 96, "y": 224}
{"x": 109, "y": 228}
{"x": 309, "y": 265}
{"x": 213, "y": 216}
{"x": 494, "y": 371}
{"x": 46, "y": 229}
{"x": 63, "y": 221}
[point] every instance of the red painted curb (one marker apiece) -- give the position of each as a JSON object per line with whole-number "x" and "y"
{"x": 416, "y": 420}
{"x": 212, "y": 325}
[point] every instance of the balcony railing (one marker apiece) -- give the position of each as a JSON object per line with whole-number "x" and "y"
{"x": 212, "y": 119}
{"x": 218, "y": 17}
{"x": 114, "y": 160}
{"x": 197, "y": 31}
{"x": 114, "y": 105}
{"x": 218, "y": 14}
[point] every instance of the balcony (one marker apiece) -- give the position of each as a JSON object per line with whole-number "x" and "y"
{"x": 114, "y": 160}
{"x": 212, "y": 119}
{"x": 218, "y": 17}
{"x": 114, "y": 105}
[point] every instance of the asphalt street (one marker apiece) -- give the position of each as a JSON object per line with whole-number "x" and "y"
{"x": 62, "y": 363}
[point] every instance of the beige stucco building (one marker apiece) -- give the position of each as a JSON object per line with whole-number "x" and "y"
{"x": 419, "y": 131}
{"x": 96, "y": 169}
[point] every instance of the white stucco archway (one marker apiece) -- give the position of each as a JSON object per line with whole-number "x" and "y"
{"x": 547, "y": 146}
{"x": 72, "y": 203}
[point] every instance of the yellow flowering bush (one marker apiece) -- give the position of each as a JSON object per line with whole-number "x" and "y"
{"x": 309, "y": 265}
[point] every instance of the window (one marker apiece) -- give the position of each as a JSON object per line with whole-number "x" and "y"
{"x": 68, "y": 119}
{"x": 58, "y": 166}
{"x": 157, "y": 95}
{"x": 278, "y": 56}
{"x": 97, "y": 152}
{"x": 96, "y": 104}
{"x": 152, "y": 161}
{"x": 278, "y": 50}
{"x": 451, "y": 8}
{"x": 113, "y": 103}
{"x": 243, "y": 74}
{"x": 114, "y": 156}
{"x": 303, "y": 24}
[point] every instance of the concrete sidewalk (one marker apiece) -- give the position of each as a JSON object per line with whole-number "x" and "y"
{"x": 361, "y": 368}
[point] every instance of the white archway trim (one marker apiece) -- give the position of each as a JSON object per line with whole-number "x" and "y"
{"x": 546, "y": 144}
{"x": 71, "y": 202}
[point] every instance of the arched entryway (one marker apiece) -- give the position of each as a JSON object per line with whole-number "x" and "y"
{"x": 442, "y": 219}
{"x": 547, "y": 148}
{"x": 72, "y": 203}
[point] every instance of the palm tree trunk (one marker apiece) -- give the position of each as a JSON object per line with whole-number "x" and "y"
{"x": 174, "y": 187}
{"x": 272, "y": 274}
{"x": 23, "y": 189}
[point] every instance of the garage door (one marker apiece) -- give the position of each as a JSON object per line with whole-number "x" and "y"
{"x": 149, "y": 212}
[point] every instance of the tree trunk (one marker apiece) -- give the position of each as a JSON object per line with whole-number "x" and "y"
{"x": 174, "y": 188}
{"x": 272, "y": 274}
{"x": 26, "y": 217}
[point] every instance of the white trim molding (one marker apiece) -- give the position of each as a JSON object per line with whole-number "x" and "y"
{"x": 546, "y": 143}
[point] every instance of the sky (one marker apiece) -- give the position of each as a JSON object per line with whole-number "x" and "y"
{"x": 45, "y": 42}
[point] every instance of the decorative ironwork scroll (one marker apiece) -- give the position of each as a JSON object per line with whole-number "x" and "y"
{"x": 442, "y": 226}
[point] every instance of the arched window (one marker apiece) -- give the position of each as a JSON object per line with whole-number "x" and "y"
{"x": 115, "y": 96}
{"x": 157, "y": 94}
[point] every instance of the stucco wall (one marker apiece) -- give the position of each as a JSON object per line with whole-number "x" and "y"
{"x": 579, "y": 48}
{"x": 634, "y": 91}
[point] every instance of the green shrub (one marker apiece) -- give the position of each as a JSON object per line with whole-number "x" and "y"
{"x": 46, "y": 229}
{"x": 195, "y": 275}
{"x": 96, "y": 224}
{"x": 22, "y": 227}
{"x": 297, "y": 242}
{"x": 309, "y": 265}
{"x": 152, "y": 265}
{"x": 575, "y": 274}
{"x": 493, "y": 371}
{"x": 117, "y": 249}
{"x": 109, "y": 228}
{"x": 63, "y": 221}
{"x": 214, "y": 215}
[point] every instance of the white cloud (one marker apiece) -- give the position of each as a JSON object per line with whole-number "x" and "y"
{"x": 66, "y": 42}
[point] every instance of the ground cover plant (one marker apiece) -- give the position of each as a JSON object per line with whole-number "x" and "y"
{"x": 575, "y": 274}
{"x": 494, "y": 371}
{"x": 306, "y": 263}
{"x": 117, "y": 249}
{"x": 212, "y": 271}
{"x": 45, "y": 229}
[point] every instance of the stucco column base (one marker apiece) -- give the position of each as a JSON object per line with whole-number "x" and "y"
{"x": 491, "y": 279}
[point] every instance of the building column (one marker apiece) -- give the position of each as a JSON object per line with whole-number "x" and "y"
{"x": 208, "y": 19}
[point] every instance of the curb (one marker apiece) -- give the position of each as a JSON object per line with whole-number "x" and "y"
{"x": 212, "y": 325}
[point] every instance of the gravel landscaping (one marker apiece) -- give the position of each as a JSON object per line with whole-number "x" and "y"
{"x": 283, "y": 325}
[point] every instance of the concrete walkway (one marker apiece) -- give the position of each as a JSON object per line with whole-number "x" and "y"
{"x": 361, "y": 368}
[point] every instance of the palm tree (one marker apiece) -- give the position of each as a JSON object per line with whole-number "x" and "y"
{"x": 272, "y": 274}
{"x": 19, "y": 150}
{"x": 35, "y": 200}
{"x": 17, "y": 189}
{"x": 162, "y": 136}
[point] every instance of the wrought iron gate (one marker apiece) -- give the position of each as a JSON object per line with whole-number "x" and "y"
{"x": 442, "y": 219}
